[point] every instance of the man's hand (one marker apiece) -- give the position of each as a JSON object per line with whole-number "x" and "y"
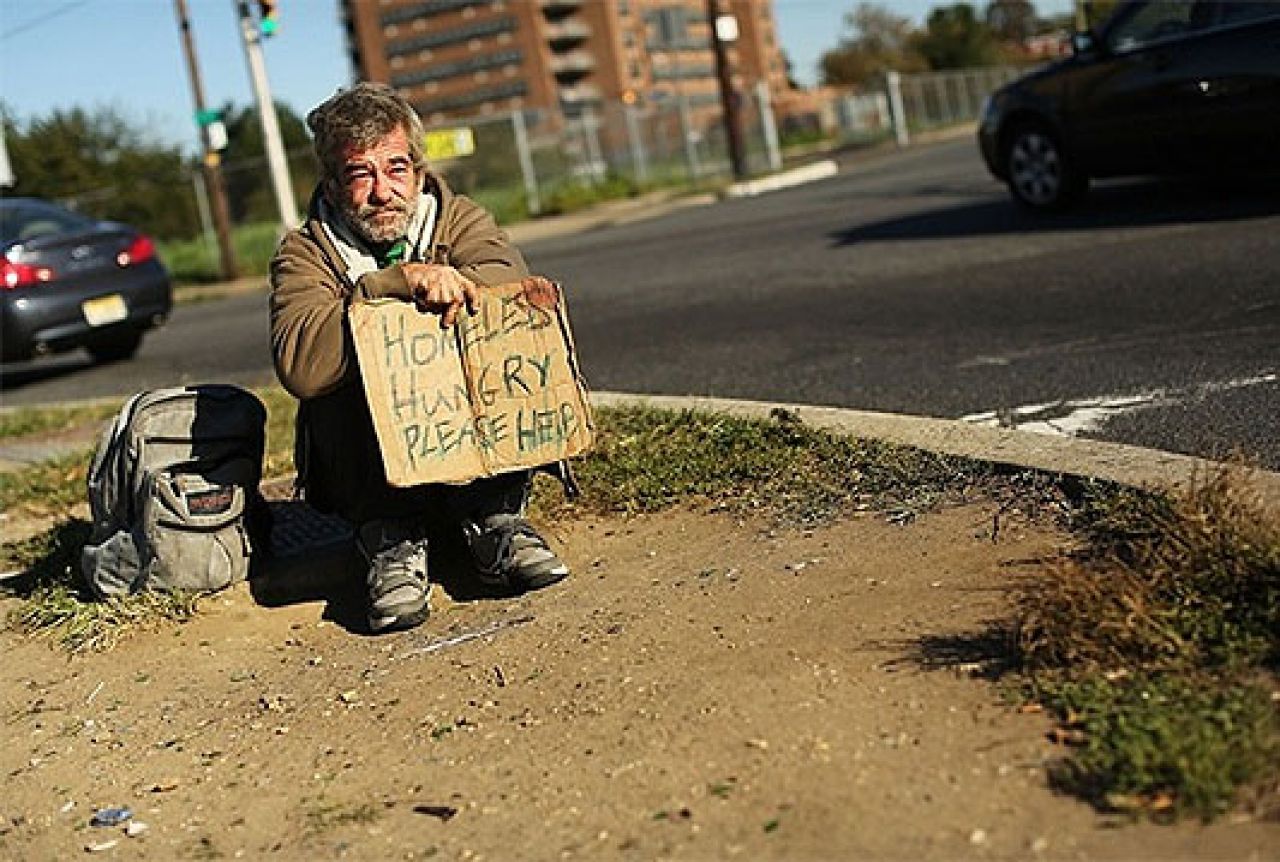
{"x": 440, "y": 290}
{"x": 540, "y": 291}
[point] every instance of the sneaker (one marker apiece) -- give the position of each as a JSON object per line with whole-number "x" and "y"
{"x": 509, "y": 553}
{"x": 397, "y": 580}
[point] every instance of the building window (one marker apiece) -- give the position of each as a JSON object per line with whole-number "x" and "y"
{"x": 479, "y": 30}
{"x": 423, "y": 10}
{"x": 471, "y": 98}
{"x": 476, "y": 67}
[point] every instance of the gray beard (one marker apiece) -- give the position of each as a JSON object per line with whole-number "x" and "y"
{"x": 362, "y": 224}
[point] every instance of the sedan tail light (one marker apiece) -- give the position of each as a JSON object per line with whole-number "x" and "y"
{"x": 141, "y": 249}
{"x": 22, "y": 274}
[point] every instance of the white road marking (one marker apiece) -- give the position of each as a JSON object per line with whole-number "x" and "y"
{"x": 1078, "y": 415}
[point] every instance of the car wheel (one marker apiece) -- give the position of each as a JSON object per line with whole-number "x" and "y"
{"x": 117, "y": 347}
{"x": 1040, "y": 175}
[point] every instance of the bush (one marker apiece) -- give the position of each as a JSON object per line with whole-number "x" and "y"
{"x": 195, "y": 261}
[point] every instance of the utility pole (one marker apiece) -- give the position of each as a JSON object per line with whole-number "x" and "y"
{"x": 276, "y": 161}
{"x": 211, "y": 163}
{"x": 724, "y": 30}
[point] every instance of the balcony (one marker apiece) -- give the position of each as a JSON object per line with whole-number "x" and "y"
{"x": 572, "y": 65}
{"x": 567, "y": 33}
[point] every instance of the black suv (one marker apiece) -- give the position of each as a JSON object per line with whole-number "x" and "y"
{"x": 1162, "y": 86}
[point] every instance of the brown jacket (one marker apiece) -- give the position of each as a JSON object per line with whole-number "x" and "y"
{"x": 339, "y": 466}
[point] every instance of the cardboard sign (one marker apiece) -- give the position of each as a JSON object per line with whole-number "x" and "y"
{"x": 498, "y": 391}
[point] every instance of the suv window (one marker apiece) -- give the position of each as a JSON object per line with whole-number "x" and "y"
{"x": 1243, "y": 11}
{"x": 1153, "y": 21}
{"x": 20, "y": 222}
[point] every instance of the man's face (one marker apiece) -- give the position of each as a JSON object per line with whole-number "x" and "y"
{"x": 377, "y": 189}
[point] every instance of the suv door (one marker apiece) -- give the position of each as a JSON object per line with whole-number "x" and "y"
{"x": 1232, "y": 73}
{"x": 1129, "y": 109}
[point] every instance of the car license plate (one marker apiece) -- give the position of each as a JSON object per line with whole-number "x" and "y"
{"x": 104, "y": 309}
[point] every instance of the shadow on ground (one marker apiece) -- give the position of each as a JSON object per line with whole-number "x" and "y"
{"x": 314, "y": 559}
{"x": 1142, "y": 203}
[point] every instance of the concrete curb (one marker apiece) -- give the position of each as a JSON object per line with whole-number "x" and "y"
{"x": 785, "y": 179}
{"x": 606, "y": 214}
{"x": 1127, "y": 465}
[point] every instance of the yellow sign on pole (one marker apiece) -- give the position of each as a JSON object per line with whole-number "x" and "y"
{"x": 445, "y": 144}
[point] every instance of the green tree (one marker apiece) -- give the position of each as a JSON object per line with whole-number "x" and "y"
{"x": 98, "y": 163}
{"x": 955, "y": 38}
{"x": 1012, "y": 20}
{"x": 250, "y": 195}
{"x": 877, "y": 40}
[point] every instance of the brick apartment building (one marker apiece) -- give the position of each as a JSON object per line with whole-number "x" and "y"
{"x": 556, "y": 58}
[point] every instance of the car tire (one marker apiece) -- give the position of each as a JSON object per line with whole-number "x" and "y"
{"x": 116, "y": 348}
{"x": 1040, "y": 174}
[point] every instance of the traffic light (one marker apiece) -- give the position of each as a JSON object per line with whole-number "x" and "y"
{"x": 268, "y": 17}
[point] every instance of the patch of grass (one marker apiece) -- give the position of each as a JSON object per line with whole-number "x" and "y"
{"x": 66, "y": 614}
{"x": 646, "y": 460}
{"x": 508, "y": 204}
{"x": 1166, "y": 745}
{"x": 48, "y": 487}
{"x": 1160, "y": 640}
{"x": 574, "y": 195}
{"x": 195, "y": 261}
{"x": 29, "y": 421}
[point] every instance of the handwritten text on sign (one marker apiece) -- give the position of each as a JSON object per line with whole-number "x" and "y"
{"x": 495, "y": 393}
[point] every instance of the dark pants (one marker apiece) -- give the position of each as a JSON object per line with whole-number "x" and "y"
{"x": 432, "y": 510}
{"x": 341, "y": 470}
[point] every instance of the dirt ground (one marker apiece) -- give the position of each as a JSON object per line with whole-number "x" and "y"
{"x": 700, "y": 688}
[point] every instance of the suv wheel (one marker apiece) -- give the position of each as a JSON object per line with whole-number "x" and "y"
{"x": 1040, "y": 174}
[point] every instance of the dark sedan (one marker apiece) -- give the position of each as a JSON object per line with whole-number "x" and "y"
{"x": 1162, "y": 86}
{"x": 67, "y": 281}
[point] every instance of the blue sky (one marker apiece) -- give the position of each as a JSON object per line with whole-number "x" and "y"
{"x": 127, "y": 54}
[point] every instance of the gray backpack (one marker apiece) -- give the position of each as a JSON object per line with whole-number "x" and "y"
{"x": 173, "y": 491}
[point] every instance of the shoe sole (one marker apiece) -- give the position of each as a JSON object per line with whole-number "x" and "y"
{"x": 398, "y": 622}
{"x": 525, "y": 585}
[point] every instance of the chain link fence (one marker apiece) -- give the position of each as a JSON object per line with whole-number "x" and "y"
{"x": 938, "y": 99}
{"x": 530, "y": 163}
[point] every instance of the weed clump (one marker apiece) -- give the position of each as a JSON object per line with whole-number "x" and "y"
{"x": 57, "y": 602}
{"x": 1160, "y": 641}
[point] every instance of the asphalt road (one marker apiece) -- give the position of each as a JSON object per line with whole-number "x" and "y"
{"x": 908, "y": 283}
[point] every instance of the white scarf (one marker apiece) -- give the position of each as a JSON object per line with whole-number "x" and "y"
{"x": 355, "y": 251}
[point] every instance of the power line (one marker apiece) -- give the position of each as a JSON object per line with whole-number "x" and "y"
{"x": 44, "y": 19}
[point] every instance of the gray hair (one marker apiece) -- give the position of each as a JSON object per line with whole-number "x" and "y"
{"x": 360, "y": 117}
